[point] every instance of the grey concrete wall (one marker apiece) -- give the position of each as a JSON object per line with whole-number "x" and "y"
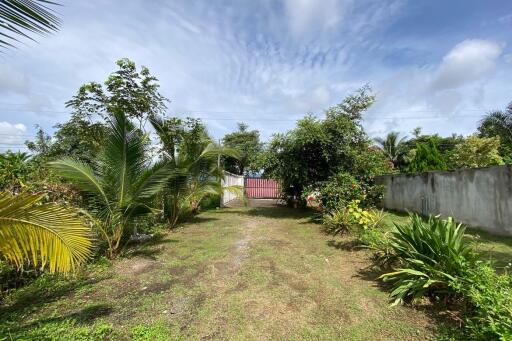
{"x": 480, "y": 197}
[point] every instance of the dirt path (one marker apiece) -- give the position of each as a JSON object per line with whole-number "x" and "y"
{"x": 261, "y": 273}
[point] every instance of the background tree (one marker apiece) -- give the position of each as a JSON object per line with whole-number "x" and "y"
{"x": 477, "y": 152}
{"x": 15, "y": 169}
{"x": 499, "y": 123}
{"x": 126, "y": 90}
{"x": 247, "y": 142}
{"x": 22, "y": 18}
{"x": 393, "y": 147}
{"x": 427, "y": 158}
{"x": 317, "y": 149}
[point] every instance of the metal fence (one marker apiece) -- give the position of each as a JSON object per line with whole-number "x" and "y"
{"x": 259, "y": 188}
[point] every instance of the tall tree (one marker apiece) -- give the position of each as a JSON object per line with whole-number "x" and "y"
{"x": 393, "y": 147}
{"x": 427, "y": 158}
{"x": 499, "y": 123}
{"x": 477, "y": 152}
{"x": 317, "y": 149}
{"x": 127, "y": 90}
{"x": 247, "y": 142}
{"x": 23, "y": 18}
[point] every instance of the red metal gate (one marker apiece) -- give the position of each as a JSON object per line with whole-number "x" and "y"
{"x": 259, "y": 188}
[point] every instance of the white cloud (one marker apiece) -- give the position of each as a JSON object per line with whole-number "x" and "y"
{"x": 467, "y": 62}
{"x": 12, "y": 135}
{"x": 307, "y": 17}
{"x": 508, "y": 58}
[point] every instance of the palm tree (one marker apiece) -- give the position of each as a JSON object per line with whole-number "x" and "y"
{"x": 195, "y": 159}
{"x": 121, "y": 183}
{"x": 499, "y": 123}
{"x": 392, "y": 146}
{"x": 45, "y": 235}
{"x": 21, "y": 18}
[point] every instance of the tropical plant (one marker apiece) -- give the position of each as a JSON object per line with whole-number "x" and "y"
{"x": 392, "y": 146}
{"x": 188, "y": 150}
{"x": 427, "y": 158}
{"x": 42, "y": 235}
{"x": 120, "y": 185}
{"x": 15, "y": 169}
{"x": 499, "y": 123}
{"x": 477, "y": 152}
{"x": 430, "y": 256}
{"x": 247, "y": 142}
{"x": 488, "y": 299}
{"x": 21, "y": 18}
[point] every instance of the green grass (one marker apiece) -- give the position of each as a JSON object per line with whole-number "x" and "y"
{"x": 237, "y": 274}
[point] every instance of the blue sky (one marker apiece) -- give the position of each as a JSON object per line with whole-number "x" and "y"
{"x": 435, "y": 64}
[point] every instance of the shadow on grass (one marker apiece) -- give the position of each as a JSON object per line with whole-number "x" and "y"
{"x": 149, "y": 249}
{"x": 345, "y": 245}
{"x": 277, "y": 212}
{"x": 85, "y": 316}
{"x": 46, "y": 290}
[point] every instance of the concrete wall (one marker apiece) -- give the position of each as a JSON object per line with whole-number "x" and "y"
{"x": 479, "y": 197}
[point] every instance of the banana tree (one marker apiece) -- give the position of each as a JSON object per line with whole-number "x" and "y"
{"x": 121, "y": 184}
{"x": 42, "y": 235}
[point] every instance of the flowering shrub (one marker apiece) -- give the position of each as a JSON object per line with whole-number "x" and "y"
{"x": 342, "y": 219}
{"x": 343, "y": 188}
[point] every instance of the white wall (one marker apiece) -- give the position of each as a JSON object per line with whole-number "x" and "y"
{"x": 230, "y": 180}
{"x": 480, "y": 197}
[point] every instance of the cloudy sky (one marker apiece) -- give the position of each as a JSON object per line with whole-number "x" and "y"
{"x": 436, "y": 64}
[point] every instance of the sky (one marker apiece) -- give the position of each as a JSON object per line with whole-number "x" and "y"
{"x": 437, "y": 64}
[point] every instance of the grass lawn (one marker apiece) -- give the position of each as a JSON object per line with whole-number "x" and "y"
{"x": 497, "y": 249}
{"x": 232, "y": 274}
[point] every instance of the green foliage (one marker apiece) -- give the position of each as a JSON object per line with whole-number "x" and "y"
{"x": 127, "y": 90}
{"x": 247, "y": 142}
{"x": 80, "y": 138}
{"x": 15, "y": 169}
{"x": 499, "y": 124}
{"x": 21, "y": 19}
{"x": 42, "y": 235}
{"x": 430, "y": 255}
{"x": 317, "y": 149}
{"x": 393, "y": 147}
{"x": 189, "y": 151}
{"x": 427, "y": 158}
{"x": 489, "y": 303}
{"x": 343, "y": 187}
{"x": 344, "y": 218}
{"x": 477, "y": 152}
{"x": 120, "y": 186}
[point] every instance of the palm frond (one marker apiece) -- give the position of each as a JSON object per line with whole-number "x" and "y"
{"x": 47, "y": 235}
{"x": 21, "y": 18}
{"x": 82, "y": 175}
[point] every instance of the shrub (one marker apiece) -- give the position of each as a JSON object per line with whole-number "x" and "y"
{"x": 488, "y": 297}
{"x": 343, "y": 218}
{"x": 342, "y": 188}
{"x": 431, "y": 255}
